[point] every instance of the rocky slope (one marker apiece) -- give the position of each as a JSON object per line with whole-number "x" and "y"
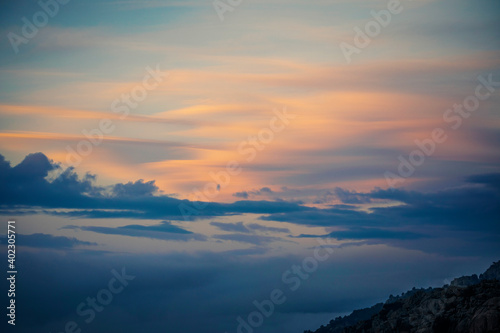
{"x": 338, "y": 324}
{"x": 470, "y": 304}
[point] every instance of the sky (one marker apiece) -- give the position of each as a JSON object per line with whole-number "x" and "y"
{"x": 243, "y": 166}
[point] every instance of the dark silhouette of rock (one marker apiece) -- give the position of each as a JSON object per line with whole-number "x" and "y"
{"x": 465, "y": 281}
{"x": 469, "y": 305}
{"x": 492, "y": 273}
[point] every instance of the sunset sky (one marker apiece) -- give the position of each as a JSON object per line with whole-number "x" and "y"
{"x": 207, "y": 147}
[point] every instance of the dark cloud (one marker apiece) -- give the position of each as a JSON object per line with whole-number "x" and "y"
{"x": 250, "y": 239}
{"x": 34, "y": 168}
{"x": 474, "y": 207}
{"x": 492, "y": 179}
{"x": 368, "y": 233}
{"x": 137, "y": 189}
{"x": 248, "y": 194}
{"x": 243, "y": 195}
{"x": 263, "y": 228}
{"x": 328, "y": 218}
{"x": 231, "y": 227}
{"x": 350, "y": 197}
{"x": 342, "y": 206}
{"x": 462, "y": 220}
{"x": 164, "y": 231}
{"x": 47, "y": 241}
{"x": 461, "y": 208}
{"x": 27, "y": 186}
{"x": 316, "y": 196}
{"x": 247, "y": 228}
{"x": 164, "y": 226}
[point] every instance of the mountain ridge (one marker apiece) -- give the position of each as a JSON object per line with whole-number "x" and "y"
{"x": 468, "y": 304}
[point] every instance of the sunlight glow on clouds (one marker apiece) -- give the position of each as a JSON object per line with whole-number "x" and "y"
{"x": 215, "y": 110}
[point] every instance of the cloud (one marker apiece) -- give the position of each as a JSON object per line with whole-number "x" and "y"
{"x": 350, "y": 197}
{"x": 472, "y": 207}
{"x": 248, "y": 194}
{"x": 232, "y": 227}
{"x": 247, "y": 228}
{"x": 312, "y": 195}
{"x": 48, "y": 241}
{"x": 327, "y": 217}
{"x": 492, "y": 179}
{"x": 28, "y": 185}
{"x": 250, "y": 239}
{"x": 461, "y": 208}
{"x": 260, "y": 227}
{"x": 137, "y": 189}
{"x": 368, "y": 233}
{"x": 164, "y": 231}
{"x": 243, "y": 195}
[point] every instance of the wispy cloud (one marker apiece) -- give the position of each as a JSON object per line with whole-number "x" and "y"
{"x": 46, "y": 241}
{"x": 164, "y": 231}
